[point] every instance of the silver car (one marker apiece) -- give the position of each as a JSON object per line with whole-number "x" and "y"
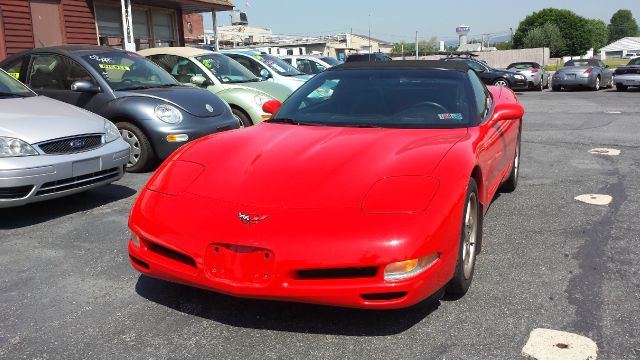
{"x": 50, "y": 149}
{"x": 628, "y": 75}
{"x": 537, "y": 76}
{"x": 590, "y": 73}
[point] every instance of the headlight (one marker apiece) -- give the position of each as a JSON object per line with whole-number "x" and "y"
{"x": 111, "y": 131}
{"x": 168, "y": 114}
{"x": 259, "y": 99}
{"x": 10, "y": 147}
{"x": 405, "y": 269}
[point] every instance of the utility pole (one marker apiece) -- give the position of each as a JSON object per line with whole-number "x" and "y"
{"x": 370, "y": 49}
{"x": 417, "y": 54}
{"x": 402, "y": 49}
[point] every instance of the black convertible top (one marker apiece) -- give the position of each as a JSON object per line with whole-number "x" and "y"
{"x": 403, "y": 64}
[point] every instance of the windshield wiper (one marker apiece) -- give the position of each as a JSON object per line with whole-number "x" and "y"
{"x": 292, "y": 121}
{"x": 134, "y": 88}
{"x": 13, "y": 94}
{"x": 168, "y": 85}
{"x": 290, "y": 75}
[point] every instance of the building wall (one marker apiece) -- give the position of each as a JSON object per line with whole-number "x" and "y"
{"x": 79, "y": 22}
{"x": 361, "y": 44}
{"x": 502, "y": 58}
{"x": 16, "y": 27}
{"x": 197, "y": 34}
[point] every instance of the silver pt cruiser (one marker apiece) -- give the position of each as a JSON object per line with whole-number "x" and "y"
{"x": 50, "y": 149}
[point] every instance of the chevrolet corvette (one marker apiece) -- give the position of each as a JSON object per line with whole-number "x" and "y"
{"x": 367, "y": 188}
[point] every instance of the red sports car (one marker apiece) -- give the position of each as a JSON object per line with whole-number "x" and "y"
{"x": 366, "y": 189}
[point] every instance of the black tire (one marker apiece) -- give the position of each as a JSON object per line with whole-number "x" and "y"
{"x": 243, "y": 118}
{"x": 596, "y": 85}
{"x": 546, "y": 85}
{"x": 512, "y": 182}
{"x": 460, "y": 283}
{"x": 499, "y": 81}
{"x": 540, "y": 86}
{"x": 146, "y": 157}
{"x": 620, "y": 87}
{"x": 556, "y": 88}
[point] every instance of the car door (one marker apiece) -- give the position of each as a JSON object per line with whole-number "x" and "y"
{"x": 498, "y": 138}
{"x": 51, "y": 75}
{"x": 607, "y": 74}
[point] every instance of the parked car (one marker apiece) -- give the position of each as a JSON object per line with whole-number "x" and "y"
{"x": 627, "y": 76}
{"x": 49, "y": 149}
{"x": 590, "y": 73}
{"x": 221, "y": 75}
{"x": 368, "y": 57}
{"x": 376, "y": 191}
{"x": 330, "y": 60}
{"x": 152, "y": 111}
{"x": 493, "y": 76}
{"x": 537, "y": 77}
{"x": 269, "y": 67}
{"x": 307, "y": 64}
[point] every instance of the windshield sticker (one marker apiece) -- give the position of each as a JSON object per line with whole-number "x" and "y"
{"x": 450, "y": 116}
{"x": 15, "y": 75}
{"x": 101, "y": 59}
{"x": 207, "y": 63}
{"x": 259, "y": 57}
{"x": 114, "y": 67}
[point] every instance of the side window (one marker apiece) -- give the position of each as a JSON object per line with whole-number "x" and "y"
{"x": 180, "y": 68}
{"x": 474, "y": 65}
{"x": 55, "y": 72}
{"x": 304, "y": 66}
{"x": 249, "y": 64}
{"x": 318, "y": 67}
{"x": 483, "y": 99}
{"x": 288, "y": 61}
{"x": 15, "y": 69}
{"x": 166, "y": 62}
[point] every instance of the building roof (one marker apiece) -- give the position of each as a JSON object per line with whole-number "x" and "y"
{"x": 403, "y": 64}
{"x": 196, "y": 6}
{"x": 627, "y": 43}
{"x": 372, "y": 39}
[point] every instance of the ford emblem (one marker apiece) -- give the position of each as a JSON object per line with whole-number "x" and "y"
{"x": 209, "y": 107}
{"x": 77, "y": 143}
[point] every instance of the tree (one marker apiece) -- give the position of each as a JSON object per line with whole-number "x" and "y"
{"x": 547, "y": 35}
{"x": 574, "y": 30}
{"x": 424, "y": 46}
{"x": 622, "y": 24}
{"x": 505, "y": 45}
{"x": 599, "y": 33}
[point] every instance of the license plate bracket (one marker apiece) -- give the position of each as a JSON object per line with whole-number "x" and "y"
{"x": 239, "y": 263}
{"x": 84, "y": 167}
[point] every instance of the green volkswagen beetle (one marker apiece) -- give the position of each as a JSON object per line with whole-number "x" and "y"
{"x": 223, "y": 76}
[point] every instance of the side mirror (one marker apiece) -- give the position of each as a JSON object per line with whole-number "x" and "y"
{"x": 271, "y": 106}
{"x": 200, "y": 80}
{"x": 508, "y": 111}
{"x": 85, "y": 86}
{"x": 264, "y": 74}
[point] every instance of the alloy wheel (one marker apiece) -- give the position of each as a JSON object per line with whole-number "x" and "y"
{"x": 470, "y": 235}
{"x": 502, "y": 83}
{"x": 134, "y": 144}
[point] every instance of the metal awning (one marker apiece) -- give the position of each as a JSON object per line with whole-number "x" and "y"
{"x": 190, "y": 6}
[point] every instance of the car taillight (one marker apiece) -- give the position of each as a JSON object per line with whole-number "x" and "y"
{"x": 533, "y": 71}
{"x": 588, "y": 71}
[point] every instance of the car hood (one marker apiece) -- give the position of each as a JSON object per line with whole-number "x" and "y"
{"x": 190, "y": 99}
{"x": 39, "y": 118}
{"x": 289, "y": 166}
{"x": 277, "y": 91}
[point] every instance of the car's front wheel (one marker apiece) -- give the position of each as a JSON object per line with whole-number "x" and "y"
{"x": 512, "y": 182}
{"x": 141, "y": 156}
{"x": 242, "y": 118}
{"x": 501, "y": 82}
{"x": 470, "y": 238}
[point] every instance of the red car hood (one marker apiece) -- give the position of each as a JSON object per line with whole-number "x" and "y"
{"x": 288, "y": 166}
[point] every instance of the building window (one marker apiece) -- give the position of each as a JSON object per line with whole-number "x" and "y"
{"x": 163, "y": 28}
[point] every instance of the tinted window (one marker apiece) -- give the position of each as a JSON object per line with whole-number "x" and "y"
{"x": 15, "y": 68}
{"x": 586, "y": 62}
{"x": 10, "y": 87}
{"x": 414, "y": 98}
{"x": 483, "y": 100}
{"x": 127, "y": 71}
{"x": 305, "y": 66}
{"x": 249, "y": 64}
{"x": 523, "y": 66}
{"x": 180, "y": 68}
{"x": 56, "y": 72}
{"x": 474, "y": 65}
{"x": 634, "y": 62}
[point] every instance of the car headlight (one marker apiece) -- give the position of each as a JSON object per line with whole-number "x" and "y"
{"x": 110, "y": 131}
{"x": 168, "y": 114}
{"x": 10, "y": 147}
{"x": 409, "y": 268}
{"x": 259, "y": 99}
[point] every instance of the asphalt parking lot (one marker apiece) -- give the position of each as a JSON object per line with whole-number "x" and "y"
{"x": 67, "y": 290}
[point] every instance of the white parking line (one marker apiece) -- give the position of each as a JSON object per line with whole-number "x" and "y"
{"x": 613, "y": 112}
{"x": 595, "y": 199}
{"x": 547, "y": 344}
{"x": 605, "y": 151}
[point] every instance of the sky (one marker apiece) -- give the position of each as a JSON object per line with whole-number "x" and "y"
{"x": 396, "y": 21}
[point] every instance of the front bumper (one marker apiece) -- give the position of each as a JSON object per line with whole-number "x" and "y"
{"x": 519, "y": 84}
{"x": 29, "y": 179}
{"x": 178, "y": 246}
{"x": 627, "y": 80}
{"x": 192, "y": 126}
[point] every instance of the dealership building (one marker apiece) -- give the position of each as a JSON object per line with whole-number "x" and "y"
{"x": 127, "y": 24}
{"x": 625, "y": 47}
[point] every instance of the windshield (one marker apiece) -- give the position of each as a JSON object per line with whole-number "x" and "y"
{"x": 226, "y": 69}
{"x": 331, "y": 60}
{"x": 129, "y": 71}
{"x": 634, "y": 62}
{"x": 415, "y": 98}
{"x": 589, "y": 62}
{"x": 523, "y": 66}
{"x": 10, "y": 87}
{"x": 278, "y": 65}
